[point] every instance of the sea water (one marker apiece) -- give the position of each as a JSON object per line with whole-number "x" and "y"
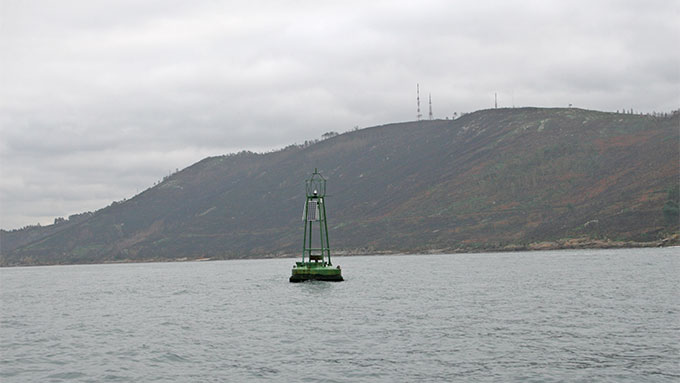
{"x": 588, "y": 315}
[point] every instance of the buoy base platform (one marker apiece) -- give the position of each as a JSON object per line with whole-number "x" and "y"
{"x": 315, "y": 271}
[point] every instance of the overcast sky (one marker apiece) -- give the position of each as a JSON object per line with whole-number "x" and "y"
{"x": 100, "y": 99}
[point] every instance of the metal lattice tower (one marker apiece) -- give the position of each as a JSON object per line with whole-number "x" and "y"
{"x": 418, "y": 100}
{"x": 430, "y": 97}
{"x": 315, "y": 212}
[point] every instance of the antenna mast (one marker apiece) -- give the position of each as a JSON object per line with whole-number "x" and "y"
{"x": 430, "y": 96}
{"x": 495, "y": 100}
{"x": 418, "y": 100}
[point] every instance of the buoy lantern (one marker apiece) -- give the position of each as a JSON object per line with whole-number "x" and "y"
{"x": 316, "y": 256}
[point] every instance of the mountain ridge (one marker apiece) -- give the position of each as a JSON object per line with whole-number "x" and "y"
{"x": 493, "y": 179}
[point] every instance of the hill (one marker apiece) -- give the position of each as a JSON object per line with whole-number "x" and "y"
{"x": 493, "y": 179}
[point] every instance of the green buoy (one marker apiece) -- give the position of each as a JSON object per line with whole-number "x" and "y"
{"x": 316, "y": 261}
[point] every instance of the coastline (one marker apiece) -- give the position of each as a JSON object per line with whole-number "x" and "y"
{"x": 560, "y": 244}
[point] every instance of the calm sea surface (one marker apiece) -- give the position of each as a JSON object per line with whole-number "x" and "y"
{"x": 535, "y": 316}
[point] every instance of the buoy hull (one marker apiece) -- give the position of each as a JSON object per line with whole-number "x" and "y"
{"x": 314, "y": 271}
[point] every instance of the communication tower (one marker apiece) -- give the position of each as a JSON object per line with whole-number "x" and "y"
{"x": 430, "y": 97}
{"x": 418, "y": 100}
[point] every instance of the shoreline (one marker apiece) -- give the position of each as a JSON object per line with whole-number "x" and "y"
{"x": 561, "y": 244}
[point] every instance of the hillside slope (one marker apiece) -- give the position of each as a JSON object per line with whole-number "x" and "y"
{"x": 484, "y": 181}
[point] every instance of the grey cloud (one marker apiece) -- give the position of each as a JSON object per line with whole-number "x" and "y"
{"x": 101, "y": 99}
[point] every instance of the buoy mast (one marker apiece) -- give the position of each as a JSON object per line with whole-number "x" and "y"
{"x": 315, "y": 211}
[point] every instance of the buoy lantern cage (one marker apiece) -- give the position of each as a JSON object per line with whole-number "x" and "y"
{"x": 316, "y": 258}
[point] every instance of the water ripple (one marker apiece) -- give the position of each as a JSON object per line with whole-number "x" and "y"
{"x": 540, "y": 316}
